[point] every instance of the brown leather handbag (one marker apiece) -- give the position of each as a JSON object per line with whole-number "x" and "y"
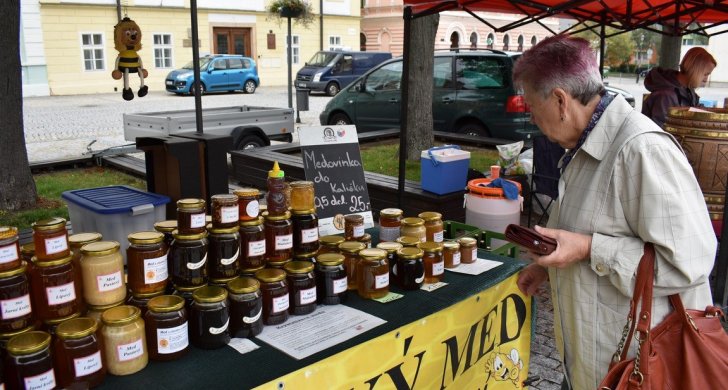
{"x": 688, "y": 350}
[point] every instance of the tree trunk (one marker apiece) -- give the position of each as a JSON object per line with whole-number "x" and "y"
{"x": 670, "y": 50}
{"x": 18, "y": 188}
{"x": 419, "y": 127}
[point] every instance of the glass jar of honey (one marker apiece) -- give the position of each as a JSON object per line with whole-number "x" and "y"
{"x": 276, "y": 300}
{"x": 391, "y": 248}
{"x": 225, "y": 212}
{"x": 331, "y": 284}
{"x": 250, "y": 271}
{"x": 305, "y": 231}
{"x": 434, "y": 262}
{"x": 330, "y": 244}
{"x": 278, "y": 197}
{"x": 410, "y": 268}
{"x": 77, "y": 354}
{"x": 210, "y": 318}
{"x": 141, "y": 300}
{"x": 167, "y": 228}
{"x": 372, "y": 274}
{"x": 302, "y": 196}
{"x": 353, "y": 227}
{"x": 15, "y": 308}
{"x": 278, "y": 237}
{"x": 53, "y": 286}
{"x": 390, "y": 221}
{"x": 468, "y": 250}
{"x": 76, "y": 241}
{"x": 414, "y": 227}
{"x": 187, "y": 259}
{"x": 309, "y": 257}
{"x": 366, "y": 239}
{"x": 350, "y": 250}
{"x": 102, "y": 270}
{"x": 51, "y": 325}
{"x": 408, "y": 241}
{"x": 246, "y": 307}
{"x": 95, "y": 312}
{"x": 301, "y": 287}
{"x": 252, "y": 244}
{"x": 124, "y": 340}
{"x": 9, "y": 248}
{"x": 146, "y": 260}
{"x": 451, "y": 254}
{"x": 166, "y": 328}
{"x": 434, "y": 228}
{"x": 28, "y": 364}
{"x": 186, "y": 293}
{"x": 51, "y": 239}
{"x": 27, "y": 251}
{"x": 248, "y": 204}
{"x": 191, "y": 216}
{"x": 223, "y": 252}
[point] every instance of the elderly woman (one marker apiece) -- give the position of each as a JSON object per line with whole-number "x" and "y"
{"x": 670, "y": 88}
{"x": 624, "y": 182}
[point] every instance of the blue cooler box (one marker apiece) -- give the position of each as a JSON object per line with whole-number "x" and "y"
{"x": 444, "y": 169}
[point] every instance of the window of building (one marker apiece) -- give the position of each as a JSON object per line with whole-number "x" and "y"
{"x": 92, "y": 47}
{"x": 490, "y": 41}
{"x": 295, "y": 49}
{"x": 506, "y": 42}
{"x": 163, "y": 50}
{"x": 335, "y": 42}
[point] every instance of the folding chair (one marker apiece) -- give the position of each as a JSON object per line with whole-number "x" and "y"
{"x": 545, "y": 177}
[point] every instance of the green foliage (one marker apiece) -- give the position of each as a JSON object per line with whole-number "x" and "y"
{"x": 306, "y": 18}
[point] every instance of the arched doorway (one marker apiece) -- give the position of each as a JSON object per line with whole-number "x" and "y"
{"x": 362, "y": 42}
{"x": 384, "y": 41}
{"x": 490, "y": 41}
{"x": 454, "y": 40}
{"x": 506, "y": 41}
{"x": 520, "y": 42}
{"x": 473, "y": 40}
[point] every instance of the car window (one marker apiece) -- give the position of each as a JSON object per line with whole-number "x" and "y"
{"x": 480, "y": 73}
{"x": 443, "y": 72}
{"x": 346, "y": 63}
{"x": 234, "y": 63}
{"x": 247, "y": 64}
{"x": 386, "y": 78}
{"x": 219, "y": 65}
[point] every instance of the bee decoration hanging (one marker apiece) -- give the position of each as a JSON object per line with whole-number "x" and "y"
{"x": 128, "y": 41}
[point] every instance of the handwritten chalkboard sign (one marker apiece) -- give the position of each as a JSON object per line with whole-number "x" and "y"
{"x": 332, "y": 161}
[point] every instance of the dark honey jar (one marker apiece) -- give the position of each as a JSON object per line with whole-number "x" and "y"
{"x": 77, "y": 355}
{"x": 191, "y": 216}
{"x": 252, "y": 244}
{"x": 166, "y": 327}
{"x": 331, "y": 280}
{"x": 276, "y": 301}
{"x": 166, "y": 228}
{"x": 305, "y": 231}
{"x": 188, "y": 259}
{"x": 210, "y": 318}
{"x": 278, "y": 237}
{"x": 301, "y": 287}
{"x": 330, "y": 244}
{"x": 224, "y": 211}
{"x": 28, "y": 364}
{"x": 15, "y": 307}
{"x": 246, "y": 307}
{"x": 223, "y": 252}
{"x": 410, "y": 268}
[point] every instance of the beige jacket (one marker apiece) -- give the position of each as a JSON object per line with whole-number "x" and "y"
{"x": 628, "y": 184}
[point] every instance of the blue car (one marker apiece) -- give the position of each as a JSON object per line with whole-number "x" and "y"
{"x": 219, "y": 72}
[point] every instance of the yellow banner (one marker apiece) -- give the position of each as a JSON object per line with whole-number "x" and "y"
{"x": 482, "y": 343}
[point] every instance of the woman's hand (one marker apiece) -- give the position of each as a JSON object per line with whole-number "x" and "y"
{"x": 571, "y": 248}
{"x": 531, "y": 278}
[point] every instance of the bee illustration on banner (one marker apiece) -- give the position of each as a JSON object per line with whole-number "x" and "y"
{"x": 504, "y": 367}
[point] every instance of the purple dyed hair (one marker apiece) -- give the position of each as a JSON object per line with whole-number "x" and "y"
{"x": 560, "y": 61}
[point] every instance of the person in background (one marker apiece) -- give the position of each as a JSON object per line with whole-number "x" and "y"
{"x": 671, "y": 88}
{"x": 624, "y": 182}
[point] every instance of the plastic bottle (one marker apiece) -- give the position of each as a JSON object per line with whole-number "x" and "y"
{"x": 278, "y": 196}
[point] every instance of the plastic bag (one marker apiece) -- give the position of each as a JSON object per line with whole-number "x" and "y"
{"x": 508, "y": 158}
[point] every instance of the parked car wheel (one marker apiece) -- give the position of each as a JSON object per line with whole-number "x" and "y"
{"x": 473, "y": 128}
{"x": 332, "y": 89}
{"x": 250, "y": 142}
{"x": 249, "y": 86}
{"x": 339, "y": 119}
{"x": 202, "y": 89}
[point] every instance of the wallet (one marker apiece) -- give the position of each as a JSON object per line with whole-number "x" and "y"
{"x": 530, "y": 239}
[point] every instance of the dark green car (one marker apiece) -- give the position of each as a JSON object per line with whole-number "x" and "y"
{"x": 473, "y": 94}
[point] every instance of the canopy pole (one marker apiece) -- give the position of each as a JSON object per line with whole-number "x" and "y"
{"x": 404, "y": 105}
{"x": 602, "y": 49}
{"x": 196, "y": 65}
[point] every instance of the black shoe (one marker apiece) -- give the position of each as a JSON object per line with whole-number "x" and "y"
{"x": 143, "y": 91}
{"x": 127, "y": 94}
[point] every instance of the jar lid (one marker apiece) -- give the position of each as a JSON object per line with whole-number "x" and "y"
{"x": 408, "y": 241}
{"x": 330, "y": 258}
{"x": 391, "y": 212}
{"x": 49, "y": 224}
{"x": 51, "y": 263}
{"x": 413, "y": 221}
{"x": 251, "y": 271}
{"x": 8, "y": 232}
{"x": 56, "y": 321}
{"x": 190, "y": 204}
{"x": 222, "y": 282}
{"x": 166, "y": 303}
{"x": 270, "y": 275}
{"x": 409, "y": 253}
{"x": 210, "y": 294}
{"x": 467, "y": 241}
{"x": 286, "y": 215}
{"x": 80, "y": 239}
{"x": 76, "y": 328}
{"x": 355, "y": 218}
{"x": 146, "y": 295}
{"x": 298, "y": 267}
{"x": 331, "y": 240}
{"x": 104, "y": 307}
{"x": 390, "y": 246}
{"x": 100, "y": 248}
{"x": 120, "y": 315}
{"x": 15, "y": 271}
{"x": 188, "y": 237}
{"x": 247, "y": 191}
{"x": 225, "y": 198}
{"x": 28, "y": 249}
{"x": 352, "y": 246}
{"x": 188, "y": 288}
{"x": 8, "y": 335}
{"x": 451, "y": 245}
{"x": 372, "y": 254}
{"x": 366, "y": 237}
{"x": 301, "y": 183}
{"x": 305, "y": 256}
{"x": 278, "y": 264}
{"x": 228, "y": 230}
{"x": 430, "y": 246}
{"x": 253, "y": 222}
{"x": 166, "y": 226}
{"x": 147, "y": 237}
{"x": 430, "y": 216}
{"x": 304, "y": 212}
{"x": 27, "y": 343}
{"x": 243, "y": 285}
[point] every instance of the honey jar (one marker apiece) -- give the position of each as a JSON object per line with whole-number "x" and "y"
{"x": 29, "y": 364}
{"x": 124, "y": 340}
{"x": 77, "y": 354}
{"x": 451, "y": 254}
{"x": 302, "y": 196}
{"x": 278, "y": 237}
{"x": 301, "y": 287}
{"x": 372, "y": 274}
{"x": 102, "y": 270}
{"x": 330, "y": 244}
{"x": 246, "y": 307}
{"x": 15, "y": 307}
{"x": 146, "y": 259}
{"x": 166, "y": 327}
{"x": 434, "y": 228}
{"x": 331, "y": 280}
{"x": 248, "y": 204}
{"x": 166, "y": 228}
{"x": 51, "y": 239}
{"x": 350, "y": 250}
{"x": 252, "y": 244}
{"x": 390, "y": 221}
{"x": 276, "y": 300}
{"x": 210, "y": 318}
{"x": 191, "y": 216}
{"x": 468, "y": 250}
{"x": 305, "y": 231}
{"x": 223, "y": 252}
{"x": 224, "y": 211}
{"x": 410, "y": 268}
{"x": 414, "y": 227}
{"x": 433, "y": 260}
{"x": 353, "y": 227}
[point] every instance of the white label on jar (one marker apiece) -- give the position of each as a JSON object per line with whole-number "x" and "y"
{"x": 358, "y": 231}
{"x": 130, "y": 351}
{"x": 221, "y": 329}
{"x": 250, "y": 320}
{"x": 388, "y": 233}
{"x": 56, "y": 244}
{"x": 381, "y": 281}
{"x": 256, "y": 248}
{"x": 198, "y": 264}
{"x": 284, "y": 242}
{"x": 438, "y": 236}
{"x": 252, "y": 209}
{"x": 155, "y": 270}
{"x": 394, "y": 270}
{"x": 109, "y": 282}
{"x": 8, "y": 253}
{"x": 43, "y": 381}
{"x": 309, "y": 235}
{"x": 475, "y": 253}
{"x": 438, "y": 268}
{"x": 308, "y": 296}
{"x": 87, "y": 365}
{"x": 230, "y": 260}
{"x": 171, "y": 340}
{"x": 197, "y": 220}
{"x": 16, "y": 307}
{"x": 229, "y": 214}
{"x": 61, "y": 294}
{"x": 280, "y": 304}
{"x": 420, "y": 279}
{"x": 456, "y": 258}
{"x": 340, "y": 285}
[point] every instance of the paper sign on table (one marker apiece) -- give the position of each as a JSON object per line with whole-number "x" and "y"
{"x": 475, "y": 268}
{"x": 242, "y": 345}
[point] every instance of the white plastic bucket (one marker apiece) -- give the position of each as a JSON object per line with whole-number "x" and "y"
{"x": 488, "y": 209}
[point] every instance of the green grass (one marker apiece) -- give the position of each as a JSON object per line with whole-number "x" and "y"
{"x": 51, "y": 185}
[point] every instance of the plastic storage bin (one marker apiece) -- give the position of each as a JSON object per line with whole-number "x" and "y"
{"x": 444, "y": 169}
{"x": 114, "y": 211}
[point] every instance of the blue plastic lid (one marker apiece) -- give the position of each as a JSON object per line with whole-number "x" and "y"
{"x": 113, "y": 199}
